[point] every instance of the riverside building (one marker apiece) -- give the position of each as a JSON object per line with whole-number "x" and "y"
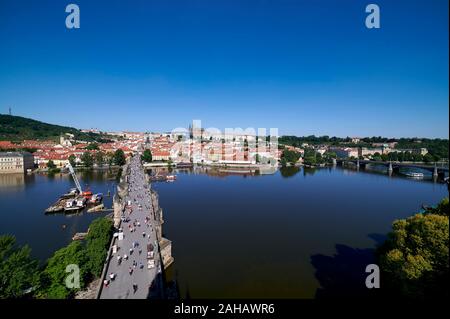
{"x": 15, "y": 162}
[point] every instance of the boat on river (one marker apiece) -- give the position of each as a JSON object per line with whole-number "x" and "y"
{"x": 96, "y": 198}
{"x": 171, "y": 178}
{"x": 86, "y": 194}
{"x": 414, "y": 174}
{"x": 75, "y": 204}
{"x": 73, "y": 192}
{"x": 162, "y": 178}
{"x": 57, "y": 207}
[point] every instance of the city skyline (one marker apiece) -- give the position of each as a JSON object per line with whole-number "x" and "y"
{"x": 304, "y": 68}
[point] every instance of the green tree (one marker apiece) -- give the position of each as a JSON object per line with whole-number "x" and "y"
{"x": 72, "y": 160}
{"x": 147, "y": 156}
{"x": 441, "y": 209}
{"x": 99, "y": 158}
{"x": 110, "y": 158}
{"x": 51, "y": 165}
{"x": 92, "y": 147}
{"x": 428, "y": 158}
{"x": 18, "y": 271}
{"x": 97, "y": 243}
{"x": 393, "y": 156}
{"x": 54, "y": 274}
{"x": 319, "y": 158}
{"x": 330, "y": 154}
{"x": 310, "y": 160}
{"x": 119, "y": 157}
{"x": 290, "y": 156}
{"x": 376, "y": 156}
{"x": 407, "y": 156}
{"x": 87, "y": 159}
{"x": 415, "y": 258}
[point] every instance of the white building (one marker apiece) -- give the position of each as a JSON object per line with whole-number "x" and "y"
{"x": 15, "y": 162}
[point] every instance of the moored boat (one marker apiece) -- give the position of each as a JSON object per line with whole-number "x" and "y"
{"x": 56, "y": 207}
{"x": 414, "y": 174}
{"x": 86, "y": 194}
{"x": 75, "y": 204}
{"x": 96, "y": 198}
{"x": 73, "y": 192}
{"x": 71, "y": 204}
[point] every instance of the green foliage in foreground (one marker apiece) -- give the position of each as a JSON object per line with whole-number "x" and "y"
{"x": 441, "y": 209}
{"x": 18, "y": 271}
{"x": 98, "y": 240}
{"x": 89, "y": 256}
{"x": 20, "y": 274}
{"x": 415, "y": 259}
{"x": 54, "y": 274}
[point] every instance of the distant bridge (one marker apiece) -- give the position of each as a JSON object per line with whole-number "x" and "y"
{"x": 437, "y": 170}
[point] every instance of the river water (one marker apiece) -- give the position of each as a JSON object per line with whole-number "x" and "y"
{"x": 296, "y": 233}
{"x": 24, "y": 198}
{"x": 283, "y": 235}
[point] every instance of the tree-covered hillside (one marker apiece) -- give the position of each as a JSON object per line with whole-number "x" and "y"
{"x": 438, "y": 148}
{"x": 16, "y": 128}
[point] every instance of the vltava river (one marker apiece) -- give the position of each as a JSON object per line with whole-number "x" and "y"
{"x": 242, "y": 235}
{"x": 282, "y": 235}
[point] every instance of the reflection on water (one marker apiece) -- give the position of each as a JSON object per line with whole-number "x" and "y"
{"x": 289, "y": 171}
{"x": 12, "y": 180}
{"x": 24, "y": 198}
{"x": 298, "y": 233}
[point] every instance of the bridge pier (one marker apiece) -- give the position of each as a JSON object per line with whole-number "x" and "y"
{"x": 390, "y": 169}
{"x": 435, "y": 171}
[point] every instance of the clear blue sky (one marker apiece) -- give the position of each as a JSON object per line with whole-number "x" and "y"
{"x": 305, "y": 67}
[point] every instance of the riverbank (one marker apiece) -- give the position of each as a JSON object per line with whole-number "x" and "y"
{"x": 77, "y": 169}
{"x": 54, "y": 278}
